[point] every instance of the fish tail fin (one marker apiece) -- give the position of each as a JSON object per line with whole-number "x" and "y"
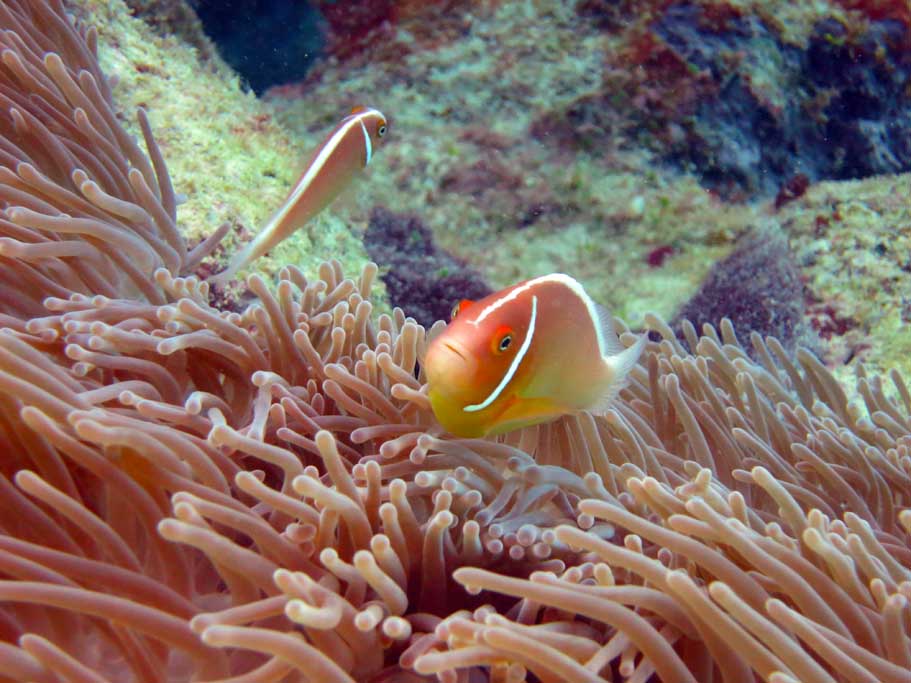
{"x": 259, "y": 245}
{"x": 237, "y": 262}
{"x": 619, "y": 366}
{"x": 277, "y": 228}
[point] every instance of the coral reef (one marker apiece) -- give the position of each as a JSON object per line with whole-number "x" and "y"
{"x": 757, "y": 287}
{"x": 353, "y": 25}
{"x": 725, "y": 94}
{"x": 852, "y": 243}
{"x": 192, "y": 494}
{"x": 877, "y": 10}
{"x": 420, "y": 278}
{"x": 175, "y": 18}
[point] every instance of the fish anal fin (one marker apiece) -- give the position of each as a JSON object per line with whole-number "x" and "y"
{"x": 523, "y": 412}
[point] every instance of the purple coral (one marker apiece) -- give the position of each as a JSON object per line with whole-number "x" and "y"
{"x": 420, "y": 277}
{"x": 757, "y": 286}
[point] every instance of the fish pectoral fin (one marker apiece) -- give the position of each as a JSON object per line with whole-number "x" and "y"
{"x": 523, "y": 412}
{"x": 347, "y": 201}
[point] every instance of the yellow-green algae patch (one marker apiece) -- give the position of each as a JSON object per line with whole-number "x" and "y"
{"x": 853, "y": 243}
{"x": 793, "y": 21}
{"x": 225, "y": 153}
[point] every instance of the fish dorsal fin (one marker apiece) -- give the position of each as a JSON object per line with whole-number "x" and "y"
{"x": 460, "y": 307}
{"x": 619, "y": 363}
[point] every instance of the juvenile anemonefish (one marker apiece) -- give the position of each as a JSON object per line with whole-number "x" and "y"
{"x": 333, "y": 165}
{"x": 524, "y": 355}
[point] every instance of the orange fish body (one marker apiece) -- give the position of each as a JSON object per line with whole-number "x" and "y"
{"x": 332, "y": 167}
{"x": 527, "y": 354}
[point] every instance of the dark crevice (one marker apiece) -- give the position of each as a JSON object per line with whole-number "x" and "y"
{"x": 268, "y": 42}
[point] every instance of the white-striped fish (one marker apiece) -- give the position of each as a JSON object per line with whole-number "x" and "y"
{"x": 524, "y": 355}
{"x": 332, "y": 167}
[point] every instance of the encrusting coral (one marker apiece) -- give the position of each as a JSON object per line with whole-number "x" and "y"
{"x": 191, "y": 494}
{"x": 420, "y": 277}
{"x": 757, "y": 287}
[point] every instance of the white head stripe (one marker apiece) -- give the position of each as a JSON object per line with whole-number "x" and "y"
{"x": 366, "y": 141}
{"x": 514, "y": 366}
{"x": 560, "y": 278}
{"x": 325, "y": 152}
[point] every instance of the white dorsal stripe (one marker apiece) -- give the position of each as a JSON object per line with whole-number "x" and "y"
{"x": 514, "y": 366}
{"x": 366, "y": 142}
{"x": 560, "y": 278}
{"x": 325, "y": 153}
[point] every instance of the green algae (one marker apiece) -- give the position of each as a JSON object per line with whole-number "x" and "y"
{"x": 853, "y": 243}
{"x": 793, "y": 21}
{"x": 226, "y": 154}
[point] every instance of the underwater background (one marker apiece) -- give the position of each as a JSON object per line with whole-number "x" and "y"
{"x": 247, "y": 482}
{"x": 633, "y": 145}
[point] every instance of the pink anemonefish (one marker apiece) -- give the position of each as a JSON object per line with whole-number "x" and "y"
{"x": 332, "y": 167}
{"x": 524, "y": 355}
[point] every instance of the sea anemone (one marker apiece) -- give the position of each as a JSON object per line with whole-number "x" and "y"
{"x": 194, "y": 494}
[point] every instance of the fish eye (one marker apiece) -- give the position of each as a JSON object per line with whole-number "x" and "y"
{"x": 504, "y": 342}
{"x": 455, "y": 311}
{"x": 381, "y": 131}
